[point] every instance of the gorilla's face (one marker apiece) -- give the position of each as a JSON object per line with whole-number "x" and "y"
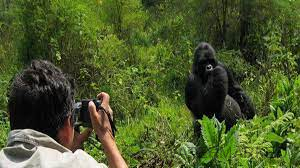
{"x": 204, "y": 60}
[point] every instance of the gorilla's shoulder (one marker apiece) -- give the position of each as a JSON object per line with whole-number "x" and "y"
{"x": 193, "y": 83}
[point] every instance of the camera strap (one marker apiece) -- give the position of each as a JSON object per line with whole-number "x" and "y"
{"x": 111, "y": 122}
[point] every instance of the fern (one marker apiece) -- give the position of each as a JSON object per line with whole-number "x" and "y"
{"x": 230, "y": 145}
{"x": 186, "y": 154}
{"x": 209, "y": 132}
{"x": 221, "y": 147}
{"x": 259, "y": 137}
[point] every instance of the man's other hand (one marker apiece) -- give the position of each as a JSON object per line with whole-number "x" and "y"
{"x": 80, "y": 138}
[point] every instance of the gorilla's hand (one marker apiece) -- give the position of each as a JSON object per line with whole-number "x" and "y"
{"x": 217, "y": 77}
{"x": 216, "y": 87}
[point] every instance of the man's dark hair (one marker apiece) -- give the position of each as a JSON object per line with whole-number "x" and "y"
{"x": 41, "y": 98}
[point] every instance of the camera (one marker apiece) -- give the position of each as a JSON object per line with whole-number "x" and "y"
{"x": 82, "y": 114}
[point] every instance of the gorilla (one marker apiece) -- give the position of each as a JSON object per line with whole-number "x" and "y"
{"x": 211, "y": 90}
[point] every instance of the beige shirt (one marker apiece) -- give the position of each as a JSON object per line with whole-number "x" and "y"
{"x": 29, "y": 148}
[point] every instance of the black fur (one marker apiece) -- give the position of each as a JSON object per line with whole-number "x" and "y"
{"x": 212, "y": 90}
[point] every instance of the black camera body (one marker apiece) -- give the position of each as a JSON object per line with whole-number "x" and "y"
{"x": 82, "y": 114}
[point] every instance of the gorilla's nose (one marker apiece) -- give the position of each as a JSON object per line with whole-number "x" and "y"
{"x": 209, "y": 67}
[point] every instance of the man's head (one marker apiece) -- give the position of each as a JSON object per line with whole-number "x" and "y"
{"x": 40, "y": 98}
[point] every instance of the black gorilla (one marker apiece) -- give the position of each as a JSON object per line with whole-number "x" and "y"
{"x": 211, "y": 90}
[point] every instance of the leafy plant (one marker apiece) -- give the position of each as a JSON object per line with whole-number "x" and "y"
{"x": 186, "y": 154}
{"x": 221, "y": 146}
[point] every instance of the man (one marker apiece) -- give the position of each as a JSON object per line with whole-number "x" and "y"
{"x": 42, "y": 123}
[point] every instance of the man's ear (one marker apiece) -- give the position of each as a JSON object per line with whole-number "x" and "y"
{"x": 65, "y": 134}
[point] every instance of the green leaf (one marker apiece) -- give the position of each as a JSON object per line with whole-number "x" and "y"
{"x": 230, "y": 145}
{"x": 135, "y": 149}
{"x": 208, "y": 156}
{"x": 209, "y": 132}
{"x": 279, "y": 113}
{"x": 272, "y": 137}
{"x": 232, "y": 134}
{"x": 58, "y": 56}
{"x": 286, "y": 156}
{"x": 187, "y": 148}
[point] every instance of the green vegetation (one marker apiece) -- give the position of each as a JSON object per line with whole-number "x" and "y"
{"x": 140, "y": 52}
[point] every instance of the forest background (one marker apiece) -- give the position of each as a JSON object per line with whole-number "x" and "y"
{"x": 141, "y": 51}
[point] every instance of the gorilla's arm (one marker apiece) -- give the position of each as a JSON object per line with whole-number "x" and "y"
{"x": 231, "y": 112}
{"x": 193, "y": 96}
{"x": 237, "y": 93}
{"x": 215, "y": 91}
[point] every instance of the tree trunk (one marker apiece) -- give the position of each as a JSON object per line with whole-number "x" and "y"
{"x": 224, "y": 24}
{"x": 245, "y": 17}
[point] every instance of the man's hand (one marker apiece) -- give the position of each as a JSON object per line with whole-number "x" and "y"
{"x": 99, "y": 119}
{"x": 103, "y": 130}
{"x": 80, "y": 138}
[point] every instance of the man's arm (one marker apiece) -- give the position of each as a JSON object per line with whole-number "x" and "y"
{"x": 103, "y": 130}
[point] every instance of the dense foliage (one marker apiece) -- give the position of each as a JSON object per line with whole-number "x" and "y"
{"x": 140, "y": 52}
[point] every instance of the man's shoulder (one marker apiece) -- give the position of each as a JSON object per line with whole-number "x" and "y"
{"x": 29, "y": 147}
{"x": 46, "y": 157}
{"x": 84, "y": 157}
{"x": 77, "y": 159}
